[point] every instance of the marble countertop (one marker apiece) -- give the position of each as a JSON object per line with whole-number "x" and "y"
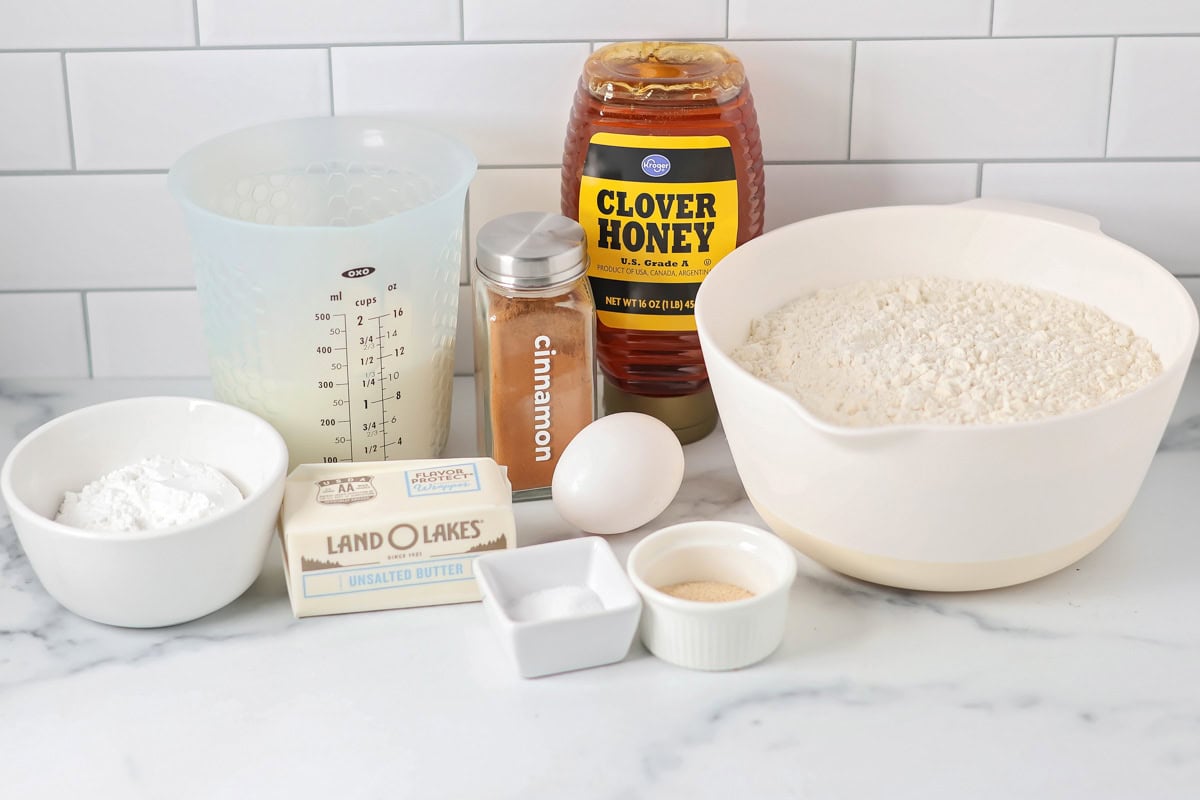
{"x": 1085, "y": 684}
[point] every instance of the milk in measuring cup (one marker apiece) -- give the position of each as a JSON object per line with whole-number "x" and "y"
{"x": 352, "y": 382}
{"x": 327, "y": 253}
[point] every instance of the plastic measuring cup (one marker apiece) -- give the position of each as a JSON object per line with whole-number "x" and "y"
{"x": 327, "y": 253}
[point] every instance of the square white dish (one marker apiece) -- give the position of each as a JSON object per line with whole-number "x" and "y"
{"x": 561, "y": 638}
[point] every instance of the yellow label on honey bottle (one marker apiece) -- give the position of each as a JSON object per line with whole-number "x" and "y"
{"x": 659, "y": 212}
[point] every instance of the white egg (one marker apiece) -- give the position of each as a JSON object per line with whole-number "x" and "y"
{"x": 618, "y": 473}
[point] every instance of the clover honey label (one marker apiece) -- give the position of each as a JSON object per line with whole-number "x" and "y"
{"x": 659, "y": 212}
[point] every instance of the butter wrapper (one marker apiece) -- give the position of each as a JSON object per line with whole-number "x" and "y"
{"x": 373, "y": 535}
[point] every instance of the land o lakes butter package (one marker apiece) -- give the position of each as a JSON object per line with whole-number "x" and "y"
{"x": 391, "y": 534}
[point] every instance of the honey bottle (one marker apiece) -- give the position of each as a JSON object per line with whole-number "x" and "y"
{"x": 663, "y": 169}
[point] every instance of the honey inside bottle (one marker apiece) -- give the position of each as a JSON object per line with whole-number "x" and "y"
{"x": 685, "y": 110}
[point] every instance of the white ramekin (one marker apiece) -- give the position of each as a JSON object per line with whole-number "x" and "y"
{"x": 713, "y": 635}
{"x": 567, "y": 641}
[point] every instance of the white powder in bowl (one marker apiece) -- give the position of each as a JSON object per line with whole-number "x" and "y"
{"x": 555, "y": 602}
{"x": 944, "y": 350}
{"x": 152, "y": 495}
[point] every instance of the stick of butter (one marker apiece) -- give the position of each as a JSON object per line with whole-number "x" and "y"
{"x": 391, "y": 534}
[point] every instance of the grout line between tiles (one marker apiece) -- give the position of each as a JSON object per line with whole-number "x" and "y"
{"x": 87, "y": 333}
{"x": 462, "y": 20}
{"x": 831, "y": 162}
{"x": 727, "y": 12}
{"x": 979, "y": 180}
{"x": 329, "y": 66}
{"x": 992, "y": 18}
{"x": 46, "y": 173}
{"x": 101, "y": 290}
{"x": 850, "y": 120}
{"x": 196, "y": 21}
{"x": 990, "y": 160}
{"x": 579, "y": 40}
{"x": 67, "y": 105}
{"x": 1112, "y": 81}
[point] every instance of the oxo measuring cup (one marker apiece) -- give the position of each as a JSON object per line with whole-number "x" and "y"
{"x": 327, "y": 255}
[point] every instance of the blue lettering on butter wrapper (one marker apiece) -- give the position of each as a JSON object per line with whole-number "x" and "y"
{"x": 448, "y": 479}
{"x": 385, "y": 577}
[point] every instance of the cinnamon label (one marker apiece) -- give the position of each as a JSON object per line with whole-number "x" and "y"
{"x": 540, "y": 380}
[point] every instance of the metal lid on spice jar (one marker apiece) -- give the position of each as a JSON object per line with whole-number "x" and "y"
{"x": 531, "y": 250}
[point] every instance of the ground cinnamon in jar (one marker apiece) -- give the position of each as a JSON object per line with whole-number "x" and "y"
{"x": 534, "y": 345}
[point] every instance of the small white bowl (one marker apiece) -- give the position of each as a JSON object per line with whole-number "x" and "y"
{"x": 555, "y": 644}
{"x": 146, "y": 579}
{"x": 713, "y": 635}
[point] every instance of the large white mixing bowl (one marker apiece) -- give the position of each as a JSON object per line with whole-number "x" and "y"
{"x": 944, "y": 507}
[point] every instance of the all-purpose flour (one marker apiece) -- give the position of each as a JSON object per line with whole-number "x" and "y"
{"x": 944, "y": 350}
{"x": 153, "y": 494}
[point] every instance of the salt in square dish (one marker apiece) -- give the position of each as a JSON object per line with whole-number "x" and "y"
{"x": 560, "y": 606}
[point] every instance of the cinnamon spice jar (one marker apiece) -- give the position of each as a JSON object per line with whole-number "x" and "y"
{"x": 534, "y": 344}
{"x": 663, "y": 167}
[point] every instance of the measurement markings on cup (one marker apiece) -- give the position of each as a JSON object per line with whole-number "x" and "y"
{"x": 345, "y": 348}
{"x": 382, "y": 384}
{"x": 364, "y": 379}
{"x": 386, "y": 378}
{"x": 337, "y": 405}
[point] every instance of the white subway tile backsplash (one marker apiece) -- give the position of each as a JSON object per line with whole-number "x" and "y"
{"x": 796, "y": 192}
{"x": 852, "y": 19}
{"x": 1003, "y": 98}
{"x": 43, "y": 336}
{"x": 1148, "y": 205}
{"x": 860, "y": 102}
{"x": 141, "y": 110}
{"x": 508, "y": 102}
{"x": 47, "y": 24}
{"x": 91, "y": 231}
{"x": 143, "y": 334}
{"x": 34, "y": 107}
{"x": 802, "y": 95}
{"x": 1193, "y": 288}
{"x": 581, "y": 19}
{"x": 319, "y": 21}
{"x": 496, "y": 192}
{"x": 1081, "y": 17}
{"x": 1156, "y": 98}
